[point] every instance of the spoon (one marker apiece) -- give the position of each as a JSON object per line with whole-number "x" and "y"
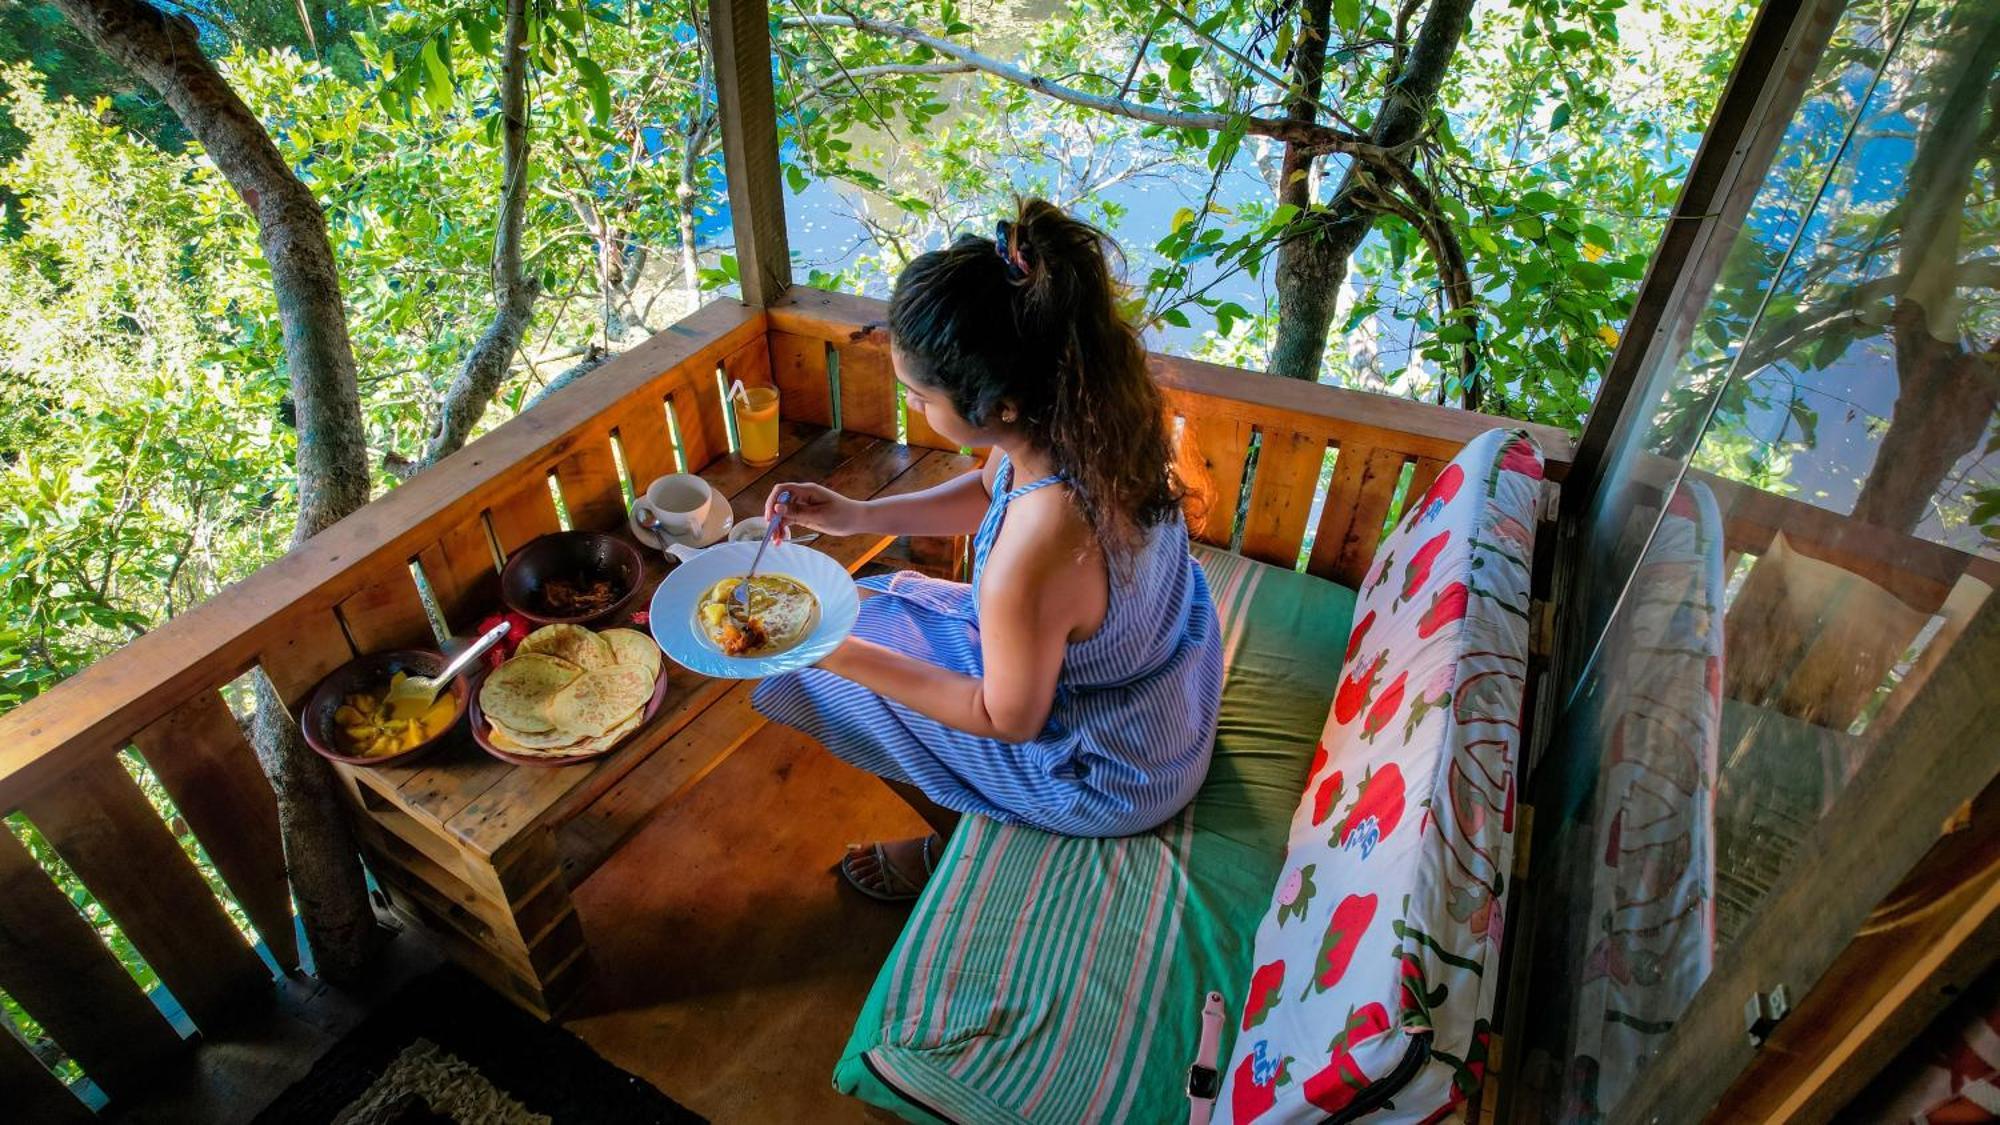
{"x": 739, "y": 602}
{"x": 415, "y": 694}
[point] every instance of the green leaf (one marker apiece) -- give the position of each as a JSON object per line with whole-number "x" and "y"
{"x": 570, "y": 18}
{"x": 437, "y": 80}
{"x": 599, "y": 87}
{"x": 1175, "y": 317}
{"x": 1347, "y": 15}
{"x": 1560, "y": 117}
{"x": 477, "y": 33}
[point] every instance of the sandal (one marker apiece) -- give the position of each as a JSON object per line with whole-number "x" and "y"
{"x": 890, "y": 884}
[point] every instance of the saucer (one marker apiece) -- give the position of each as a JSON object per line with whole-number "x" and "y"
{"x": 720, "y": 520}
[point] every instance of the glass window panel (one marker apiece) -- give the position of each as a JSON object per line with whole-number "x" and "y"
{"x": 1828, "y": 454}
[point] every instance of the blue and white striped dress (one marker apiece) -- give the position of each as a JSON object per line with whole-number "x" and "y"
{"x": 1127, "y": 741}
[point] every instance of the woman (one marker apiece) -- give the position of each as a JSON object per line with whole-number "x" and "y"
{"x": 1073, "y": 685}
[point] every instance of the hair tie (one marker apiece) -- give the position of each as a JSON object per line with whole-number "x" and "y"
{"x": 1010, "y": 254}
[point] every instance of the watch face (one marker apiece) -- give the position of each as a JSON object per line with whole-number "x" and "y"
{"x": 1203, "y": 1082}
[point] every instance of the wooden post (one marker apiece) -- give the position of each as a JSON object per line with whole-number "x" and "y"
{"x": 740, "y": 35}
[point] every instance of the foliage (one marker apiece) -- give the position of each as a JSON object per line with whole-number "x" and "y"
{"x": 1567, "y": 128}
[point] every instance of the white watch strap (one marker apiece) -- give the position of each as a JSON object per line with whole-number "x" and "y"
{"x": 1212, "y": 1015}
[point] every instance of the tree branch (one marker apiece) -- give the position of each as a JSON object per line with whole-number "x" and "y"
{"x": 1323, "y": 138}
{"x": 513, "y": 294}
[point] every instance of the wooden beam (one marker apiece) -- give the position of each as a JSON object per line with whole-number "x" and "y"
{"x": 1939, "y": 754}
{"x": 740, "y": 33}
{"x": 1921, "y": 949}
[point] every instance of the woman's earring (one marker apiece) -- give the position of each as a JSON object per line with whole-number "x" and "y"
{"x": 1008, "y": 416}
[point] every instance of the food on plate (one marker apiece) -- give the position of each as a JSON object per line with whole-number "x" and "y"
{"x": 574, "y": 597}
{"x": 364, "y": 726}
{"x": 780, "y": 614}
{"x": 629, "y": 646}
{"x": 568, "y": 692}
{"x": 572, "y": 643}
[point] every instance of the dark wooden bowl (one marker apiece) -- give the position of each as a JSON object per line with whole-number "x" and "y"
{"x": 482, "y": 731}
{"x": 584, "y": 556}
{"x": 370, "y": 673}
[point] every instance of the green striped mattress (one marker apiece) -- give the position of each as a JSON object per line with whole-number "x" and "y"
{"x": 1046, "y": 978}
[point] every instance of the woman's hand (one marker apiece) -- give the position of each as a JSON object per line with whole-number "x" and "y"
{"x": 819, "y": 508}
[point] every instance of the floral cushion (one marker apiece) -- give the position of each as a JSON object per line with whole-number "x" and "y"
{"x": 1375, "y": 962}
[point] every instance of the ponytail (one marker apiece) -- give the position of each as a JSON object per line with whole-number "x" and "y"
{"x": 1063, "y": 355}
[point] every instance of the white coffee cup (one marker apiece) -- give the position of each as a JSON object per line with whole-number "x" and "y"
{"x": 680, "y": 504}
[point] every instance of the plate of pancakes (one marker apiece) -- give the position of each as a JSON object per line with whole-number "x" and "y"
{"x": 568, "y": 694}
{"x": 804, "y": 602}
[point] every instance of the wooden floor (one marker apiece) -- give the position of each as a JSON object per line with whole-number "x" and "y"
{"x": 729, "y": 962}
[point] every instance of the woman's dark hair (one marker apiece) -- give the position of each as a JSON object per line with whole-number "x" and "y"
{"x": 1035, "y": 323}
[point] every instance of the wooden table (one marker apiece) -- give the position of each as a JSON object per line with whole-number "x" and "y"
{"x": 483, "y": 854}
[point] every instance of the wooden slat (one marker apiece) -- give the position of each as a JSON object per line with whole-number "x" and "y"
{"x": 311, "y": 645}
{"x": 102, "y": 826}
{"x": 643, "y": 435}
{"x": 1357, "y": 503}
{"x": 459, "y": 567}
{"x": 1281, "y": 496}
{"x": 386, "y": 612}
{"x": 200, "y": 755}
{"x": 529, "y": 511}
{"x": 52, "y": 964}
{"x": 740, "y": 33}
{"x": 798, "y": 367}
{"x": 867, "y": 388}
{"x": 588, "y": 478}
{"x": 29, "y": 1091}
{"x": 751, "y": 363}
{"x": 698, "y": 422}
{"x": 1421, "y": 478}
{"x": 1212, "y": 456}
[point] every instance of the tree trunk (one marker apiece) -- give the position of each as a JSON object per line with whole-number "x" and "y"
{"x": 1946, "y": 393}
{"x": 1313, "y": 265}
{"x": 513, "y": 295}
{"x": 332, "y": 462}
{"x": 1945, "y": 398}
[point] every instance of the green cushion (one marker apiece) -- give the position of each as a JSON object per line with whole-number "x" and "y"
{"x": 1047, "y": 978}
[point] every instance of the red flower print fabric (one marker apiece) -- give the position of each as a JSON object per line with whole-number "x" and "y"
{"x": 1388, "y": 908}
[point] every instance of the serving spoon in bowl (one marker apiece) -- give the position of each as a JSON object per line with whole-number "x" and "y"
{"x": 415, "y": 694}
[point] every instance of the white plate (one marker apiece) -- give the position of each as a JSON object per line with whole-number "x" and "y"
{"x": 673, "y": 609}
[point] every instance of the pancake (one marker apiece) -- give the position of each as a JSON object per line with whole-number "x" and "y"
{"x": 629, "y": 646}
{"x": 573, "y": 643}
{"x": 781, "y": 613}
{"x": 518, "y": 692}
{"x": 600, "y": 699}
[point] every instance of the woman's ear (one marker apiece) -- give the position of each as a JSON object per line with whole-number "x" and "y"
{"x": 1009, "y": 414}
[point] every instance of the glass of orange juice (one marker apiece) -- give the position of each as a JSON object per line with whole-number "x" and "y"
{"x": 757, "y": 424}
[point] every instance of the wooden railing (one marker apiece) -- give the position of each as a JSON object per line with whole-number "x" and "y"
{"x": 360, "y": 587}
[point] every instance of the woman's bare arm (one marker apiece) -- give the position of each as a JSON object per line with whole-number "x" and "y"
{"x": 954, "y": 507}
{"x": 1029, "y": 607}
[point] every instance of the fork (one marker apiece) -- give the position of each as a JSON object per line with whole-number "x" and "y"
{"x": 739, "y": 602}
